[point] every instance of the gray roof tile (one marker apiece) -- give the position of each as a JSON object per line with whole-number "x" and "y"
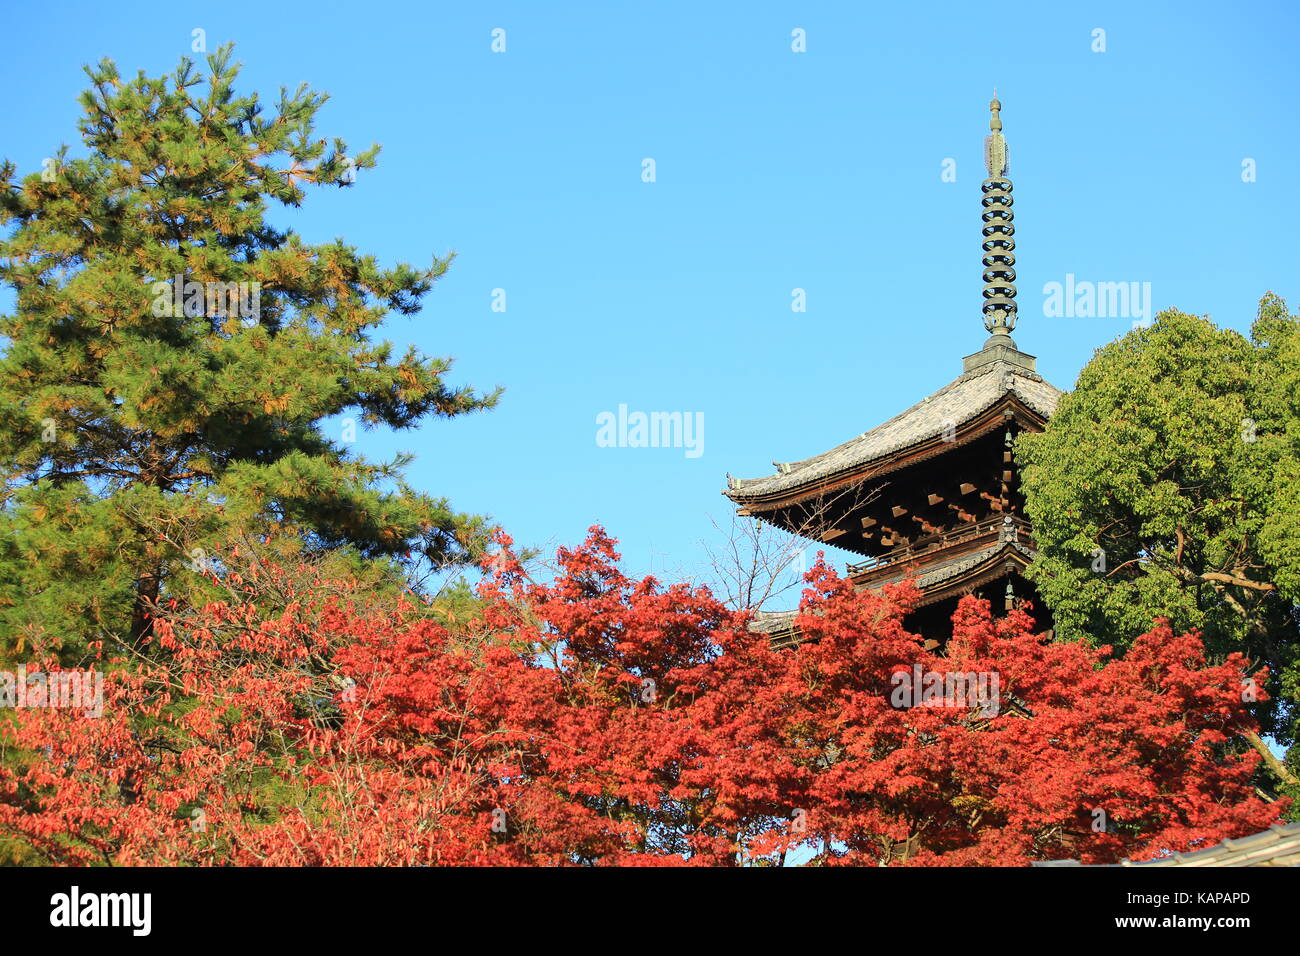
{"x": 957, "y": 402}
{"x": 1279, "y": 845}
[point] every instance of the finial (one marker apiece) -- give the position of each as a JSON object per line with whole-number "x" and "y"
{"x": 996, "y": 156}
{"x": 999, "y": 244}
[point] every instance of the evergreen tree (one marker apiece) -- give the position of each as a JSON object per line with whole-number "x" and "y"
{"x": 173, "y": 358}
{"x": 1165, "y": 486}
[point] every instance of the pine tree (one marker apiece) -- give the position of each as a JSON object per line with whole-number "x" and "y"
{"x": 173, "y": 359}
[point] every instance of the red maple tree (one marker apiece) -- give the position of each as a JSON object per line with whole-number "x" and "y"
{"x": 594, "y": 719}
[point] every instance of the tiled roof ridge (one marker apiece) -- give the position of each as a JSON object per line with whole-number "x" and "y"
{"x": 1007, "y": 370}
{"x": 1279, "y": 845}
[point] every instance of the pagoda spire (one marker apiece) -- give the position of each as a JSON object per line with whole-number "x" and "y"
{"x": 999, "y": 241}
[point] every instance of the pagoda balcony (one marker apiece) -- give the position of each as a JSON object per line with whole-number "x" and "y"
{"x": 939, "y": 548}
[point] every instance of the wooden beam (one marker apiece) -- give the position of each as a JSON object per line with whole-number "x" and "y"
{"x": 962, "y": 513}
{"x": 899, "y": 511}
{"x": 868, "y": 522}
{"x": 897, "y": 540}
{"x": 832, "y": 534}
{"x": 935, "y": 499}
{"x": 930, "y": 528}
{"x": 967, "y": 487}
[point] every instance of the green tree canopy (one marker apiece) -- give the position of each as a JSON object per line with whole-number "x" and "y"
{"x": 1166, "y": 485}
{"x": 173, "y": 358}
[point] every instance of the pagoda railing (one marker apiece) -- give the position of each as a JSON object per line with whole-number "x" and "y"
{"x": 998, "y": 527}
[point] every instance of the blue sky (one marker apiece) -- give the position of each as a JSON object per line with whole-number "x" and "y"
{"x": 775, "y": 170}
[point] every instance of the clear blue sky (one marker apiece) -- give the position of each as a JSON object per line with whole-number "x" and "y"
{"x": 775, "y": 170}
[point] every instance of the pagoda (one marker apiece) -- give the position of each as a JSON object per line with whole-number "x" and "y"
{"x": 933, "y": 493}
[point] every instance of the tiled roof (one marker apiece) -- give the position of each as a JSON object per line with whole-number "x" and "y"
{"x": 1279, "y": 845}
{"x": 772, "y": 622}
{"x": 951, "y": 569}
{"x": 958, "y": 402}
{"x": 775, "y": 622}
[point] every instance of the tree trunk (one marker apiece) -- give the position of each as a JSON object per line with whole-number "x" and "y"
{"x": 1278, "y": 768}
{"x": 146, "y": 595}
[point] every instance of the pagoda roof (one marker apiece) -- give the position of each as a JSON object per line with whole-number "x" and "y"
{"x": 779, "y": 624}
{"x": 958, "y": 402}
{"x": 937, "y": 574}
{"x": 773, "y": 622}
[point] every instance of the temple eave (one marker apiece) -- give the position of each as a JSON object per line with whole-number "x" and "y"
{"x": 789, "y": 488}
{"x": 956, "y": 577}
